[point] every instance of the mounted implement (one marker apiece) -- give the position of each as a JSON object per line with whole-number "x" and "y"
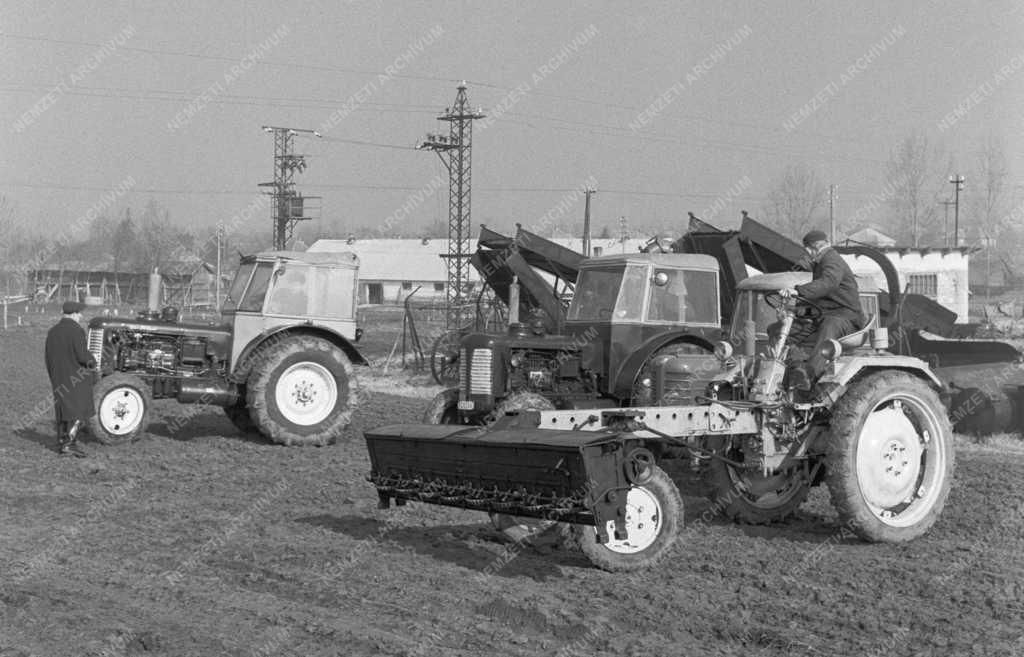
{"x": 872, "y": 427}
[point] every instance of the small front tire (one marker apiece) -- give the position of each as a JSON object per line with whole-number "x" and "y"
{"x": 122, "y": 403}
{"x": 654, "y": 512}
{"x": 444, "y": 408}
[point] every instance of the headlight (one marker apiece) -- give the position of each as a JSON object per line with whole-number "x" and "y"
{"x": 723, "y": 351}
{"x": 515, "y": 361}
{"x": 832, "y": 350}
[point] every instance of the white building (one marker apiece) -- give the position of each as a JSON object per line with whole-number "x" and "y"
{"x": 392, "y": 269}
{"x": 937, "y": 273}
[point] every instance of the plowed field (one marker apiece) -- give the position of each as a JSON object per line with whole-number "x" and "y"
{"x": 201, "y": 541}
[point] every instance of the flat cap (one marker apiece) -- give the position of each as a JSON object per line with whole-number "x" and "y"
{"x": 815, "y": 236}
{"x": 72, "y": 307}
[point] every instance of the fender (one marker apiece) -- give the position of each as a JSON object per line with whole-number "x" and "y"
{"x": 625, "y": 377}
{"x": 245, "y": 360}
{"x": 855, "y": 365}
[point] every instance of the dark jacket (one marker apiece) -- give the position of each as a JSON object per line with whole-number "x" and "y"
{"x": 833, "y": 287}
{"x": 70, "y": 366}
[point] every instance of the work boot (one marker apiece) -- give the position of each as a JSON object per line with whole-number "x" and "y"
{"x": 67, "y": 441}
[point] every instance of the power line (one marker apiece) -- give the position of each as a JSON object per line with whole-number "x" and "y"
{"x": 569, "y": 124}
{"x": 221, "y": 58}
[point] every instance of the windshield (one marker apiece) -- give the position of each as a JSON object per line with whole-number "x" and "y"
{"x": 253, "y": 300}
{"x": 597, "y": 295}
{"x": 237, "y": 286}
{"x": 751, "y": 305}
{"x": 687, "y": 296}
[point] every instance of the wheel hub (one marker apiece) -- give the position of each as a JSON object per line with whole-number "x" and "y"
{"x": 120, "y": 411}
{"x": 889, "y": 460}
{"x": 306, "y": 393}
{"x": 643, "y": 522}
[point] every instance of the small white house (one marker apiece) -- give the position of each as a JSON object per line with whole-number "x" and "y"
{"x": 941, "y": 274}
{"x": 392, "y": 269}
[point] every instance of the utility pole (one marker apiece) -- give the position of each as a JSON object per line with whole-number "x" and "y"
{"x": 623, "y": 232}
{"x": 586, "y": 222}
{"x": 219, "y": 236}
{"x": 958, "y": 182}
{"x": 454, "y": 151}
{"x": 945, "y": 223}
{"x": 832, "y": 213}
{"x": 289, "y": 207}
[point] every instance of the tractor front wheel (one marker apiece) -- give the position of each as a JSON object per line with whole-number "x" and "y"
{"x": 300, "y": 392}
{"x": 889, "y": 457}
{"x": 654, "y": 511}
{"x": 521, "y": 529}
{"x": 444, "y": 408}
{"x": 122, "y": 403}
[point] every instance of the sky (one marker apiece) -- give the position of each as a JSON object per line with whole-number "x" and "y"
{"x": 663, "y": 107}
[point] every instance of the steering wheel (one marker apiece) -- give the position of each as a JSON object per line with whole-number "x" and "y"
{"x": 810, "y": 310}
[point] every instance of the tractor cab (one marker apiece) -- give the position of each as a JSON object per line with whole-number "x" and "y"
{"x": 274, "y": 290}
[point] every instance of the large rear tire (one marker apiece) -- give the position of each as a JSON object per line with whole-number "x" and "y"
{"x": 889, "y": 457}
{"x": 240, "y": 416}
{"x": 300, "y": 392}
{"x": 654, "y": 511}
{"x": 122, "y": 402}
{"x": 748, "y": 496}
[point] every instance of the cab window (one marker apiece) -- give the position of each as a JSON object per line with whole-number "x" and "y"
{"x": 290, "y": 295}
{"x": 253, "y": 300}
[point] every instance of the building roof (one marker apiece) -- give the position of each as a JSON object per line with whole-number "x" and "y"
{"x": 872, "y": 237}
{"x": 341, "y": 258}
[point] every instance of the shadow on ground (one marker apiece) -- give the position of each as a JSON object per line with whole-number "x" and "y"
{"x": 476, "y": 547}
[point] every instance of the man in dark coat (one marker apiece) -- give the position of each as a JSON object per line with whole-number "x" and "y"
{"x": 70, "y": 366}
{"x": 833, "y": 288}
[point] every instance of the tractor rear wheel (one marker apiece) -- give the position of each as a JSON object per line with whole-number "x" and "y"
{"x": 889, "y": 457}
{"x": 749, "y": 496}
{"x": 122, "y": 403}
{"x": 654, "y": 511}
{"x": 300, "y": 392}
{"x": 239, "y": 415}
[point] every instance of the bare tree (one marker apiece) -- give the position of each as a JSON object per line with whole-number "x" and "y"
{"x": 797, "y": 202}
{"x": 988, "y": 202}
{"x": 916, "y": 183}
{"x": 155, "y": 234}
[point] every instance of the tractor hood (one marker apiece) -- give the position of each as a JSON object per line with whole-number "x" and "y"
{"x": 523, "y": 340}
{"x": 209, "y": 330}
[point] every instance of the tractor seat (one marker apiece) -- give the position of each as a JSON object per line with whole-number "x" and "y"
{"x": 857, "y": 338}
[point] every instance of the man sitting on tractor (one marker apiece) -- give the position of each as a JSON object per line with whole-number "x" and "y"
{"x": 833, "y": 288}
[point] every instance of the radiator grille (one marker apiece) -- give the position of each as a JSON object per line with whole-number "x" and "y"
{"x": 480, "y": 372}
{"x": 463, "y": 370}
{"x": 96, "y": 345}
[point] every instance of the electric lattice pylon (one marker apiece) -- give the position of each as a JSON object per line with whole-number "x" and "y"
{"x": 454, "y": 151}
{"x": 289, "y": 207}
